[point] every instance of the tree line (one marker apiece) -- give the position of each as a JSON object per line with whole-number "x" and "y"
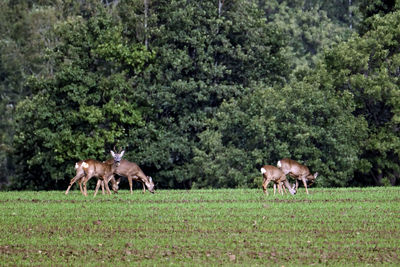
{"x": 200, "y": 93}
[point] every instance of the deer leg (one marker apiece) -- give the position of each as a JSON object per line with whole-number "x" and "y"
{"x": 265, "y": 184}
{"x": 297, "y": 184}
{"x": 284, "y": 187}
{"x": 130, "y": 184}
{"x": 66, "y": 192}
{"x": 87, "y": 178}
{"x": 144, "y": 188}
{"x": 106, "y": 185}
{"x": 102, "y": 187}
{"x": 280, "y": 185}
{"x": 97, "y": 187}
{"x": 305, "y": 184}
{"x": 73, "y": 180}
{"x": 80, "y": 184}
{"x": 84, "y": 188}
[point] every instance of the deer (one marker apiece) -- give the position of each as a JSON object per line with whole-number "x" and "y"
{"x": 272, "y": 173}
{"x": 132, "y": 171}
{"x": 104, "y": 171}
{"x": 80, "y": 176}
{"x": 297, "y": 171}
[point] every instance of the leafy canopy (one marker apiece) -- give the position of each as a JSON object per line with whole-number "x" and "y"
{"x": 84, "y": 107}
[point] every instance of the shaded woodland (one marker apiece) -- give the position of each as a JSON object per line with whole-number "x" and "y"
{"x": 200, "y": 93}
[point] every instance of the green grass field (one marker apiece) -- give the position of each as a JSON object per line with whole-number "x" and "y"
{"x": 339, "y": 227}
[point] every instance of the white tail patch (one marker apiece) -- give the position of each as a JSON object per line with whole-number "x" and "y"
{"x": 85, "y": 165}
{"x": 279, "y": 164}
{"x": 263, "y": 170}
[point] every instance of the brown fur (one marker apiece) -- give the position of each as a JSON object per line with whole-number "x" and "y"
{"x": 297, "y": 171}
{"x": 132, "y": 171}
{"x": 272, "y": 173}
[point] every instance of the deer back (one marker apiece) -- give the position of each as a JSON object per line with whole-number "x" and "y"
{"x": 126, "y": 168}
{"x": 273, "y": 173}
{"x": 132, "y": 170}
{"x": 293, "y": 168}
{"x": 99, "y": 169}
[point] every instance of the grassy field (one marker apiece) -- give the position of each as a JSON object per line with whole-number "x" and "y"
{"x": 339, "y": 227}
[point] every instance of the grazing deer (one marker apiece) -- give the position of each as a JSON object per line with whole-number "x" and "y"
{"x": 132, "y": 171}
{"x": 297, "y": 171}
{"x": 104, "y": 171}
{"x": 272, "y": 173}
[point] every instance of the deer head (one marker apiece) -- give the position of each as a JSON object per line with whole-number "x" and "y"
{"x": 117, "y": 157}
{"x": 150, "y": 184}
{"x": 292, "y": 189}
{"x": 115, "y": 185}
{"x": 311, "y": 178}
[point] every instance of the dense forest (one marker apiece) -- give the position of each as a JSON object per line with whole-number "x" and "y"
{"x": 201, "y": 93}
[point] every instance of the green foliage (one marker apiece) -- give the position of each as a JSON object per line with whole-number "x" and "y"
{"x": 204, "y": 56}
{"x": 300, "y": 121}
{"x": 368, "y": 68}
{"x": 200, "y": 93}
{"x": 370, "y": 9}
{"x": 83, "y": 109}
{"x": 311, "y": 27}
{"x": 23, "y": 38}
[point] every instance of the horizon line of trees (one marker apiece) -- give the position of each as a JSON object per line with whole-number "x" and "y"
{"x": 200, "y": 93}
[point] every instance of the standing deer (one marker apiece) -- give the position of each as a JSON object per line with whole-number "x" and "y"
{"x": 272, "y": 173}
{"x": 297, "y": 171}
{"x": 80, "y": 177}
{"x": 132, "y": 171}
{"x": 104, "y": 171}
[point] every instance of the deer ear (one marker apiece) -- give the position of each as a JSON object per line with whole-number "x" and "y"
{"x": 315, "y": 175}
{"x": 112, "y": 153}
{"x": 122, "y": 153}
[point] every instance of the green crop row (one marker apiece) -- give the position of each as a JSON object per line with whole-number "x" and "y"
{"x": 349, "y": 226}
